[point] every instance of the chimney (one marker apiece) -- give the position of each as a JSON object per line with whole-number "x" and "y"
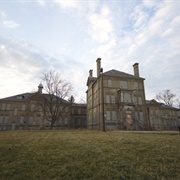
{"x": 90, "y": 73}
{"x": 136, "y": 69}
{"x": 98, "y": 61}
{"x": 40, "y": 87}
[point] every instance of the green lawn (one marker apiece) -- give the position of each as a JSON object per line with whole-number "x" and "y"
{"x": 89, "y": 155}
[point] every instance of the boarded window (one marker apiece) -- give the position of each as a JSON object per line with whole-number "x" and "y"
{"x": 135, "y": 100}
{"x": 109, "y": 83}
{"x": 72, "y": 110}
{"x": 127, "y": 97}
{"x": 60, "y": 121}
{"x": 23, "y": 107}
{"x": 32, "y": 107}
{"x": 40, "y": 108}
{"x": 8, "y": 106}
{"x": 79, "y": 111}
{"x": 114, "y": 117}
{"x": 30, "y": 120}
{"x": 140, "y": 100}
{"x": 66, "y": 121}
{"x": 108, "y": 115}
{"x": 122, "y": 97}
{"x": 38, "y": 119}
{"x": 15, "y": 111}
{"x": 141, "y": 116}
{"x": 136, "y": 116}
{"x": 3, "y": 107}
{"x": 21, "y": 119}
{"x": 107, "y": 98}
{"x": 135, "y": 85}
{"x": 6, "y": 119}
{"x": 20, "y": 97}
{"x": 66, "y": 109}
{"x": 123, "y": 84}
{"x": 112, "y": 99}
{"x": 1, "y": 119}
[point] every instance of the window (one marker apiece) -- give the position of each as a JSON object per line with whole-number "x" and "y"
{"x": 1, "y": 119}
{"x": 141, "y": 116}
{"x": 135, "y": 100}
{"x": 39, "y": 108}
{"x": 135, "y": 85}
{"x": 123, "y": 84}
{"x": 122, "y": 97}
{"x": 23, "y": 107}
{"x": 3, "y": 107}
{"x": 6, "y": 119}
{"x": 66, "y": 121}
{"x": 108, "y": 115}
{"x": 15, "y": 111}
{"x": 30, "y": 120}
{"x": 127, "y": 97}
{"x": 47, "y": 121}
{"x": 60, "y": 121}
{"x": 32, "y": 107}
{"x": 79, "y": 111}
{"x": 136, "y": 115}
{"x": 66, "y": 109}
{"x": 54, "y": 107}
{"x": 8, "y": 107}
{"x": 38, "y": 119}
{"x": 112, "y": 99}
{"x": 61, "y": 108}
{"x": 114, "y": 115}
{"x": 20, "y": 97}
{"x": 107, "y": 98}
{"x": 109, "y": 83}
{"x": 21, "y": 119}
{"x": 78, "y": 122}
{"x": 140, "y": 100}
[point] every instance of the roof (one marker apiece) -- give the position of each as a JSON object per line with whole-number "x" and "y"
{"x": 19, "y": 97}
{"x": 27, "y": 96}
{"x": 116, "y": 73}
{"x": 90, "y": 79}
{"x": 79, "y": 104}
{"x": 161, "y": 105}
{"x": 152, "y": 101}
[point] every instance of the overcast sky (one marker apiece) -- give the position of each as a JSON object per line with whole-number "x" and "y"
{"x": 37, "y": 36}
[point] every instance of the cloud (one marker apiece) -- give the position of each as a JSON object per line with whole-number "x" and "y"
{"x": 68, "y": 4}
{"x": 119, "y": 32}
{"x": 100, "y": 27}
{"x": 10, "y": 24}
{"x": 41, "y": 2}
{"x": 5, "y": 22}
{"x": 22, "y": 65}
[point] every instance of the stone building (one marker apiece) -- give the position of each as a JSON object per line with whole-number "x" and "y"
{"x": 161, "y": 116}
{"x": 24, "y": 111}
{"x": 116, "y": 100}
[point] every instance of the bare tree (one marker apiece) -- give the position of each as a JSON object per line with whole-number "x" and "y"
{"x": 178, "y": 103}
{"x": 55, "y": 101}
{"x": 167, "y": 97}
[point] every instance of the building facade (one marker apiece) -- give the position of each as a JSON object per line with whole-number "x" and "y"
{"x": 24, "y": 111}
{"x": 162, "y": 117}
{"x": 116, "y": 100}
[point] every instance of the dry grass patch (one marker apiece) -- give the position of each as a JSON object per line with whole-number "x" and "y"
{"x": 89, "y": 155}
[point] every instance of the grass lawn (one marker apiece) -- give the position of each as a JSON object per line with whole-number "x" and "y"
{"x": 89, "y": 155}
